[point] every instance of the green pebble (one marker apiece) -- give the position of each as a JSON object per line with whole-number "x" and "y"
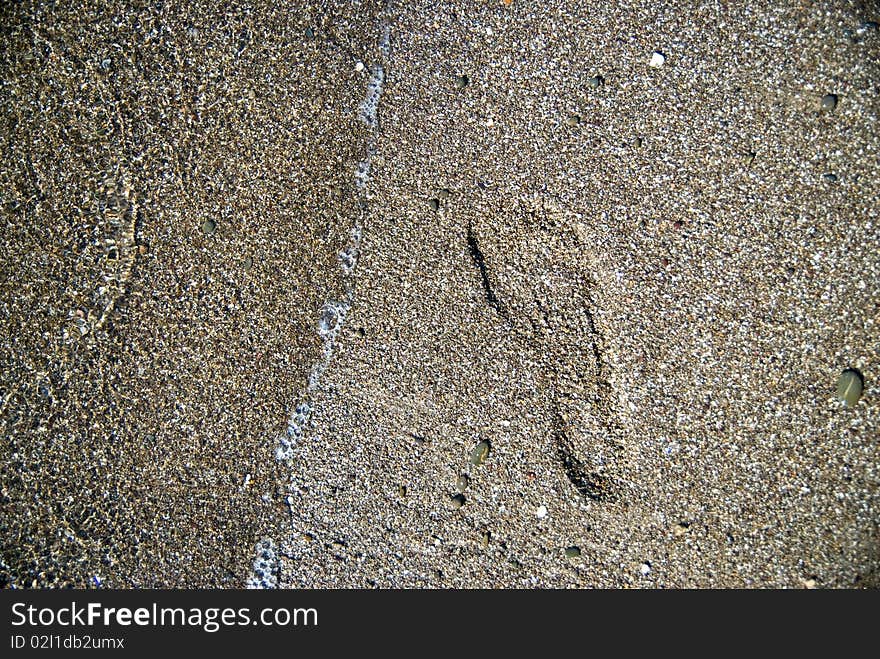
{"x": 849, "y": 387}
{"x": 209, "y": 227}
{"x": 462, "y": 81}
{"x": 480, "y": 453}
{"x": 458, "y": 501}
{"x": 596, "y": 82}
{"x": 434, "y": 204}
{"x": 462, "y": 482}
{"x": 572, "y": 552}
{"x": 248, "y": 264}
{"x": 829, "y": 102}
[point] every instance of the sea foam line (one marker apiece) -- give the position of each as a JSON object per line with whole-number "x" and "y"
{"x": 266, "y": 565}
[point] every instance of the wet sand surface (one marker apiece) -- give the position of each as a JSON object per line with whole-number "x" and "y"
{"x": 358, "y": 294}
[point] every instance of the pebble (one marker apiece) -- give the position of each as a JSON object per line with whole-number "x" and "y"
{"x": 645, "y": 569}
{"x": 248, "y": 264}
{"x": 458, "y": 501}
{"x": 595, "y": 82}
{"x": 573, "y": 119}
{"x": 831, "y": 178}
{"x": 572, "y": 552}
{"x": 462, "y": 482}
{"x": 658, "y": 59}
{"x": 462, "y": 81}
{"x": 480, "y": 453}
{"x": 849, "y": 387}
{"x": 485, "y": 538}
{"x": 829, "y": 102}
{"x": 209, "y": 227}
{"x": 401, "y": 491}
{"x": 444, "y": 194}
{"x": 434, "y": 204}
{"x": 541, "y": 512}
{"x": 636, "y": 142}
{"x": 310, "y": 33}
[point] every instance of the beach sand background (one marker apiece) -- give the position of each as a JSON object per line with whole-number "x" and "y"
{"x": 271, "y": 274}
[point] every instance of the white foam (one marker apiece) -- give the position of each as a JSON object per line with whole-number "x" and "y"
{"x": 348, "y": 257}
{"x": 332, "y": 316}
{"x": 266, "y": 566}
{"x": 370, "y": 105}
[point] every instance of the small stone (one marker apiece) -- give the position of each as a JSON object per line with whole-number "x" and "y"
{"x": 636, "y": 142}
{"x": 248, "y": 264}
{"x": 849, "y": 387}
{"x": 209, "y": 227}
{"x": 658, "y": 59}
{"x": 458, "y": 501}
{"x": 645, "y": 569}
{"x": 462, "y": 81}
{"x": 829, "y": 102}
{"x": 485, "y": 538}
{"x": 809, "y": 584}
{"x": 310, "y": 33}
{"x": 462, "y": 482}
{"x": 573, "y": 119}
{"x": 679, "y": 530}
{"x": 479, "y": 453}
{"x": 434, "y": 204}
{"x": 444, "y": 194}
{"x": 572, "y": 552}
{"x": 595, "y": 82}
{"x": 541, "y": 512}
{"x": 359, "y": 67}
{"x": 831, "y": 178}
{"x": 401, "y": 491}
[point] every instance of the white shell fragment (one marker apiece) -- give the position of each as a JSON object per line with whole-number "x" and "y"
{"x": 658, "y": 59}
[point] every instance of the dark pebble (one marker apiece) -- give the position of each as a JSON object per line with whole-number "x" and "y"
{"x": 829, "y": 102}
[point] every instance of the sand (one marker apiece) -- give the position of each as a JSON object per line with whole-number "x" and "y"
{"x": 439, "y": 224}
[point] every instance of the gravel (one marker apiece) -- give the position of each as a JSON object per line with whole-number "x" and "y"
{"x": 651, "y": 338}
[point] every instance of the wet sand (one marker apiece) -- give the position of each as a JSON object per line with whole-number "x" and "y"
{"x": 270, "y": 275}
